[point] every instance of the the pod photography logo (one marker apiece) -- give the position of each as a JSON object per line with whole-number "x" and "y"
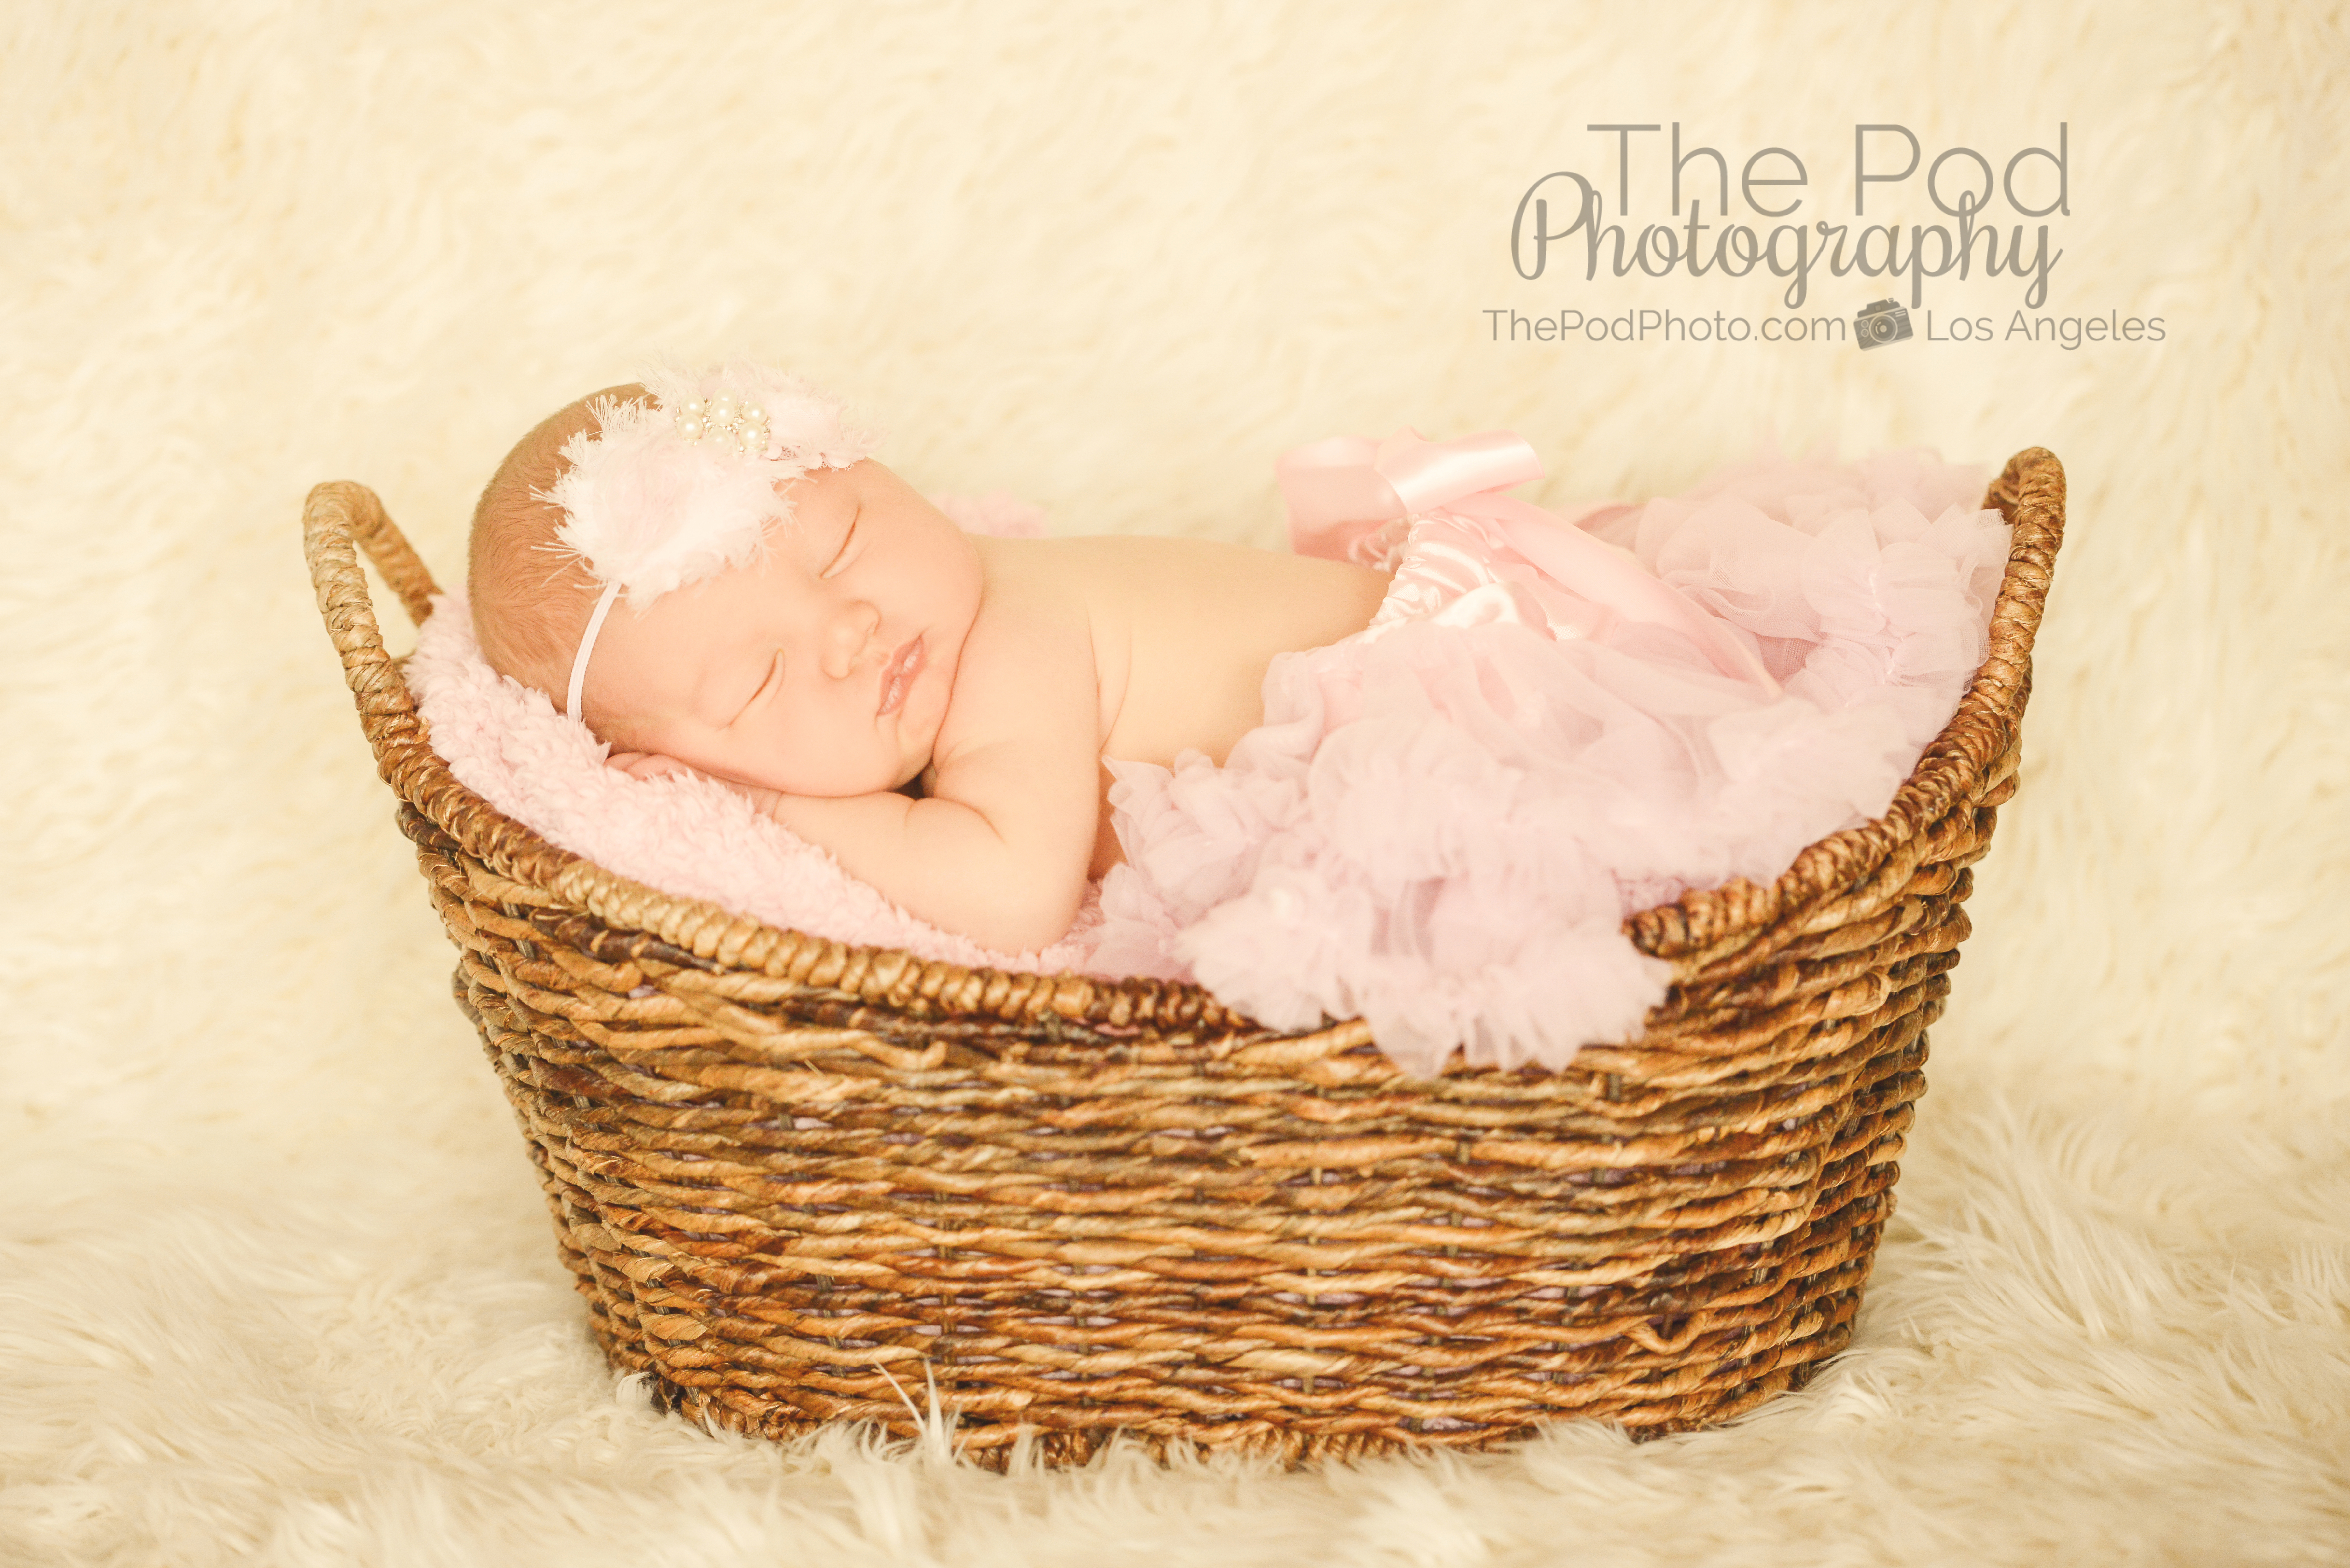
{"x": 1772, "y": 232}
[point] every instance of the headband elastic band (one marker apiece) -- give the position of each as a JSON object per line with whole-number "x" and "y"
{"x": 587, "y": 647}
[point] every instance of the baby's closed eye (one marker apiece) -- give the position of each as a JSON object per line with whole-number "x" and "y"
{"x": 766, "y": 684}
{"x": 839, "y": 561}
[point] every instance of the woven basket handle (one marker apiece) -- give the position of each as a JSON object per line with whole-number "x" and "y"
{"x": 337, "y": 515}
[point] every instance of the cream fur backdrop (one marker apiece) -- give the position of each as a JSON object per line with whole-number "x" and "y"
{"x": 275, "y": 1282}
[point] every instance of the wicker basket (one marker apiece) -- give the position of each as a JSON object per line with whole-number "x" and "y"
{"x": 802, "y": 1182}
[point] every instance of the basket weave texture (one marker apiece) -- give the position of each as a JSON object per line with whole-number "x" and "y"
{"x": 800, "y": 1182}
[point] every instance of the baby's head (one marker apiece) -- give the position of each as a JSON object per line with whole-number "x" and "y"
{"x": 532, "y": 596}
{"x": 712, "y": 570}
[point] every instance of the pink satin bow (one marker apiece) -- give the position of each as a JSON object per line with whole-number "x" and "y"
{"x": 1341, "y": 488}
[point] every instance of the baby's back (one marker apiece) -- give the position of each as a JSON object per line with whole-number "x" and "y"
{"x": 1184, "y": 629}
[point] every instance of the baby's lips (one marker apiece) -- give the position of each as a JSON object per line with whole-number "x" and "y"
{"x": 898, "y": 675}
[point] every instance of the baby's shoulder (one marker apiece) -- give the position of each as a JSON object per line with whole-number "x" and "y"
{"x": 1038, "y": 596}
{"x": 1028, "y": 662}
{"x": 1127, "y": 573}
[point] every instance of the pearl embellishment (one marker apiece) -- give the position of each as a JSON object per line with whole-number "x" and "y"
{"x": 723, "y": 422}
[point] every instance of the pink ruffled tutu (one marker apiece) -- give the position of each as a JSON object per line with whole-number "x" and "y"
{"x": 1444, "y": 819}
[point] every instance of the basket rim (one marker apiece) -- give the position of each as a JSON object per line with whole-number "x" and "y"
{"x": 1702, "y": 928}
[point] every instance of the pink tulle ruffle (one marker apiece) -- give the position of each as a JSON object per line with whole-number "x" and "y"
{"x": 1444, "y": 820}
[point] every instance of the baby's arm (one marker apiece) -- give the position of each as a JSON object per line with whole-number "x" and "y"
{"x": 998, "y": 853}
{"x": 999, "y": 847}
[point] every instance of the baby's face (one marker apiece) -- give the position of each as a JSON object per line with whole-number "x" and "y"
{"x": 826, "y": 670}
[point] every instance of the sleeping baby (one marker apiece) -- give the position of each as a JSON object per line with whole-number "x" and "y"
{"x": 829, "y": 637}
{"x": 1418, "y": 771}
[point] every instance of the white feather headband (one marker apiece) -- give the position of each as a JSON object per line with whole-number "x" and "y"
{"x": 665, "y": 494}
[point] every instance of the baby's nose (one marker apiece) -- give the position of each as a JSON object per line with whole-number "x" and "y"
{"x": 847, "y": 635}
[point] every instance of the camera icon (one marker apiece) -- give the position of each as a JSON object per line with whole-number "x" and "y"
{"x": 1881, "y": 323}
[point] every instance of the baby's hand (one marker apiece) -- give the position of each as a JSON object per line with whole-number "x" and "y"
{"x": 646, "y": 764}
{"x": 654, "y": 765}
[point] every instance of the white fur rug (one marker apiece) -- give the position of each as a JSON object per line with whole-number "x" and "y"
{"x": 274, "y": 1281}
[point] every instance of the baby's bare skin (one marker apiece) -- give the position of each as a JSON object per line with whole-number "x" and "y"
{"x": 1030, "y": 659}
{"x": 1179, "y": 633}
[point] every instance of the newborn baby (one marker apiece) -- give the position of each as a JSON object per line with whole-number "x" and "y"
{"x": 709, "y": 572}
{"x": 1418, "y": 772}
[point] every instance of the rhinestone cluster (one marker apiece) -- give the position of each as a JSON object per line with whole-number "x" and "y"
{"x": 723, "y": 422}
